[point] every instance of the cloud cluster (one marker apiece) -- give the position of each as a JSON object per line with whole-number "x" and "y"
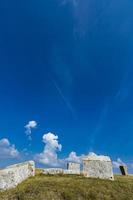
{"x": 7, "y": 150}
{"x": 74, "y": 158}
{"x": 52, "y": 147}
{"x": 49, "y": 156}
{"x": 31, "y": 125}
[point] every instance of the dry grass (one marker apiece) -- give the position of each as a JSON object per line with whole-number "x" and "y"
{"x": 42, "y": 187}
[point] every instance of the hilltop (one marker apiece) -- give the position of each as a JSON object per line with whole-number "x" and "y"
{"x": 71, "y": 187}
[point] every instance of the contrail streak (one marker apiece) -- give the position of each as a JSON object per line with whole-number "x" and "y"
{"x": 69, "y": 106}
{"x": 99, "y": 126}
{"x": 101, "y": 13}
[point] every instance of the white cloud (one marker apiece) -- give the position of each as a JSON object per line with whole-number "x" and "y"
{"x": 31, "y": 125}
{"x": 49, "y": 155}
{"x": 74, "y": 158}
{"x": 7, "y": 150}
{"x": 116, "y": 164}
{"x": 92, "y": 154}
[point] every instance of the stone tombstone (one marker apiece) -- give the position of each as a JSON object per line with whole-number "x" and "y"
{"x": 123, "y": 170}
{"x": 11, "y": 176}
{"x": 98, "y": 167}
{"x": 73, "y": 168}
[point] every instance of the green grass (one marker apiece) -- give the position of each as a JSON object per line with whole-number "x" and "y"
{"x": 43, "y": 187}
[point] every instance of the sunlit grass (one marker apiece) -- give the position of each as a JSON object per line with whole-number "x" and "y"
{"x": 44, "y": 187}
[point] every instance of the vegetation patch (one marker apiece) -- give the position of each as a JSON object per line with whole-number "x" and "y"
{"x": 45, "y": 187}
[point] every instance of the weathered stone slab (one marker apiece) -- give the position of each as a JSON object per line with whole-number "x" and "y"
{"x": 72, "y": 168}
{"x": 71, "y": 172}
{"x": 53, "y": 171}
{"x": 98, "y": 167}
{"x": 11, "y": 176}
{"x": 123, "y": 170}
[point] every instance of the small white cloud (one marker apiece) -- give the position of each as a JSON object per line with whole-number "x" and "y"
{"x": 116, "y": 164}
{"x": 7, "y": 150}
{"x": 74, "y": 158}
{"x": 92, "y": 154}
{"x": 4, "y": 142}
{"x": 31, "y": 125}
{"x": 49, "y": 155}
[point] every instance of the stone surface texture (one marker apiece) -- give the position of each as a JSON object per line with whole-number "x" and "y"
{"x": 73, "y": 168}
{"x": 53, "y": 171}
{"x": 11, "y": 176}
{"x": 66, "y": 171}
{"x": 98, "y": 167}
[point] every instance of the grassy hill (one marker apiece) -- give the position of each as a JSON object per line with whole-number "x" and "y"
{"x": 43, "y": 187}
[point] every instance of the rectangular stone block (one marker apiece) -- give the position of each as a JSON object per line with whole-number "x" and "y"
{"x": 98, "y": 167}
{"x": 11, "y": 176}
{"x": 73, "y": 168}
{"x": 71, "y": 172}
{"x": 53, "y": 171}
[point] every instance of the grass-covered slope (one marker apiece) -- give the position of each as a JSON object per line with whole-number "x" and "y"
{"x": 42, "y": 187}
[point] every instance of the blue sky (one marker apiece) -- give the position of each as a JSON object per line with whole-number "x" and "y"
{"x": 68, "y": 66}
